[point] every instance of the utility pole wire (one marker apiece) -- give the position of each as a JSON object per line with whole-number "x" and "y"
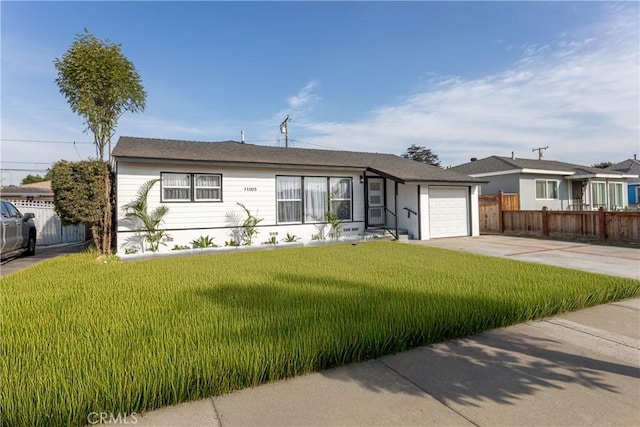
{"x": 284, "y": 128}
{"x": 45, "y": 142}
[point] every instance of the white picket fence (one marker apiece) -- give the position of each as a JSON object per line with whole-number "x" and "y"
{"x": 48, "y": 225}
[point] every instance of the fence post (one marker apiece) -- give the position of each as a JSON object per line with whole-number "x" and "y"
{"x": 500, "y": 220}
{"x": 601, "y": 224}
{"x": 545, "y": 221}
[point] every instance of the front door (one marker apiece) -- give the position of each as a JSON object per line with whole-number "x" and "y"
{"x": 576, "y": 194}
{"x": 375, "y": 202}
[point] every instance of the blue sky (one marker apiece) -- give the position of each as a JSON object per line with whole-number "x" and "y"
{"x": 466, "y": 79}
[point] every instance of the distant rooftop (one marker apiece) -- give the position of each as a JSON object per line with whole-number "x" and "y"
{"x": 497, "y": 164}
{"x": 36, "y": 188}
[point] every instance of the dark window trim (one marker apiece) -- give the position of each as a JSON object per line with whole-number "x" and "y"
{"x": 192, "y": 198}
{"x": 302, "y": 177}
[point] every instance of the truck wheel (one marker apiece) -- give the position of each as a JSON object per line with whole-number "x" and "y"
{"x": 31, "y": 244}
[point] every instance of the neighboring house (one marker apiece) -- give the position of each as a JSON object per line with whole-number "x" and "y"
{"x": 552, "y": 184}
{"x": 630, "y": 167}
{"x": 36, "y": 191}
{"x": 290, "y": 189}
{"x": 37, "y": 198}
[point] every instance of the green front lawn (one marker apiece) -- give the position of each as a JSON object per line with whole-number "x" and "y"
{"x": 79, "y": 335}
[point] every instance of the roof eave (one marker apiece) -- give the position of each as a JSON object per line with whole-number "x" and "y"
{"x": 226, "y": 163}
{"x": 602, "y": 175}
{"x": 519, "y": 171}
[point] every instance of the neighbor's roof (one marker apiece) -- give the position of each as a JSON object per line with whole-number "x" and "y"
{"x": 496, "y": 165}
{"x": 236, "y": 153}
{"x": 39, "y": 188}
{"x": 630, "y": 166}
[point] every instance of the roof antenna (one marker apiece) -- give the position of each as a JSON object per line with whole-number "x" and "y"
{"x": 539, "y": 150}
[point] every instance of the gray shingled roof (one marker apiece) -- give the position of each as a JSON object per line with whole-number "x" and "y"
{"x": 236, "y": 152}
{"x": 500, "y": 164}
{"x": 629, "y": 166}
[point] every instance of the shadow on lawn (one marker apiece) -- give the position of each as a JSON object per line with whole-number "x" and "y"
{"x": 337, "y": 322}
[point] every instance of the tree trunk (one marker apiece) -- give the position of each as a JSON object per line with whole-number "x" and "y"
{"x": 102, "y": 228}
{"x": 106, "y": 216}
{"x": 95, "y": 234}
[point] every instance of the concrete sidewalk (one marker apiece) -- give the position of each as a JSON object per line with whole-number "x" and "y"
{"x": 580, "y": 368}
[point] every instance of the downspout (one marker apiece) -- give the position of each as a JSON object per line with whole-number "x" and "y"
{"x": 396, "y": 206}
{"x": 419, "y": 215}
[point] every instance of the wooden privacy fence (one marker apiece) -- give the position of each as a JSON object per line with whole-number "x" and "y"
{"x": 49, "y": 228}
{"x": 490, "y": 208}
{"x": 598, "y": 225}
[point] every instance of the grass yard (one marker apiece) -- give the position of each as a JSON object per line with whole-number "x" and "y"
{"x": 81, "y": 336}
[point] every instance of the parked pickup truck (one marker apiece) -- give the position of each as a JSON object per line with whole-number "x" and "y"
{"x": 17, "y": 233}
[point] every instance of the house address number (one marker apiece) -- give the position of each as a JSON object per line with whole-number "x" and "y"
{"x": 250, "y": 188}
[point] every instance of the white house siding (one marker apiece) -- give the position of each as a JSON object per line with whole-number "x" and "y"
{"x": 391, "y": 203}
{"x": 408, "y": 198}
{"x": 255, "y": 188}
{"x": 475, "y": 210}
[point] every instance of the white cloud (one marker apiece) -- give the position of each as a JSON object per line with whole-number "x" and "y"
{"x": 580, "y": 97}
{"x": 305, "y": 98}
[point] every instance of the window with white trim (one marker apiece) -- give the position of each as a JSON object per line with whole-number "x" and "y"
{"x": 546, "y": 189}
{"x": 598, "y": 195}
{"x": 191, "y": 187}
{"x": 176, "y": 187}
{"x": 615, "y": 195}
{"x": 207, "y": 187}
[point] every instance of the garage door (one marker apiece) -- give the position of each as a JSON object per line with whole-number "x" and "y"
{"x": 448, "y": 211}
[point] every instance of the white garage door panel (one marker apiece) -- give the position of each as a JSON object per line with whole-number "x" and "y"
{"x": 448, "y": 211}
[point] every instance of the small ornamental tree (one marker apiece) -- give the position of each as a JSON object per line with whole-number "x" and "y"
{"x": 422, "y": 155}
{"x": 100, "y": 84}
{"x": 147, "y": 221}
{"x": 80, "y": 195}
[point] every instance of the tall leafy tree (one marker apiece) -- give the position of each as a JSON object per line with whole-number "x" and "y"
{"x": 32, "y": 179}
{"x": 100, "y": 84}
{"x": 422, "y": 155}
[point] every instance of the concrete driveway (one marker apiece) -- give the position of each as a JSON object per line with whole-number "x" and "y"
{"x": 613, "y": 260}
{"x": 12, "y": 265}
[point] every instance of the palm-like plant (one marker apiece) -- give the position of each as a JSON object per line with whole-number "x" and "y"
{"x": 149, "y": 222}
{"x": 249, "y": 226}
